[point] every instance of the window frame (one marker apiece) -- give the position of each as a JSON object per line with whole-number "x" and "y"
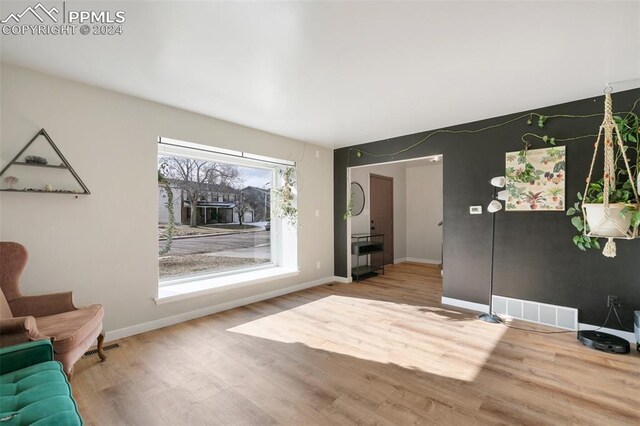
{"x": 283, "y": 236}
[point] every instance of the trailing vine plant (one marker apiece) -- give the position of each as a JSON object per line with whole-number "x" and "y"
{"x": 285, "y": 197}
{"x": 629, "y": 124}
{"x": 349, "y": 213}
{"x": 168, "y": 234}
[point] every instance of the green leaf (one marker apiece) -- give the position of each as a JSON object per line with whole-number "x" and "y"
{"x": 571, "y": 211}
{"x": 577, "y": 223}
{"x": 596, "y": 244}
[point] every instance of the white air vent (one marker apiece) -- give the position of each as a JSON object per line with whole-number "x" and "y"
{"x": 541, "y": 313}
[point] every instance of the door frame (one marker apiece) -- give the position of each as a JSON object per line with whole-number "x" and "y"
{"x": 347, "y": 192}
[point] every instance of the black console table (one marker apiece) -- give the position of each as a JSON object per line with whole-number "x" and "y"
{"x": 365, "y": 245}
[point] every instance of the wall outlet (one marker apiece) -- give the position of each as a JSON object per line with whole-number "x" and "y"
{"x": 475, "y": 209}
{"x": 318, "y": 264}
{"x": 613, "y": 301}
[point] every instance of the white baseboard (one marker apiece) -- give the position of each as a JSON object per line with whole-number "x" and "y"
{"x": 186, "y": 316}
{"x": 342, "y": 280}
{"x": 620, "y": 333}
{"x": 479, "y": 307}
{"x": 417, "y": 260}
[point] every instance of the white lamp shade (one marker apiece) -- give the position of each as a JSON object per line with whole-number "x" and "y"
{"x": 499, "y": 181}
{"x": 494, "y": 206}
{"x": 503, "y": 195}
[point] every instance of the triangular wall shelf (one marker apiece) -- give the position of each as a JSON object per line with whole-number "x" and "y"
{"x": 37, "y": 161}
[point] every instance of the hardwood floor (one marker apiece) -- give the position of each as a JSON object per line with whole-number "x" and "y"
{"x": 383, "y": 351}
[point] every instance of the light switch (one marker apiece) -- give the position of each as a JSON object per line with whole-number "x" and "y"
{"x": 475, "y": 209}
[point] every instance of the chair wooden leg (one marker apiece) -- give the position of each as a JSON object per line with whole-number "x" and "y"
{"x": 101, "y": 353}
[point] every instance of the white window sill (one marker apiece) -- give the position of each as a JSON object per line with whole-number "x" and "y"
{"x": 202, "y": 286}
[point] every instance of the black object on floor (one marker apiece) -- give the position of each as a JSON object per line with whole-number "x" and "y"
{"x": 604, "y": 342}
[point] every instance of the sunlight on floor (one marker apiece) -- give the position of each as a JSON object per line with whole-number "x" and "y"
{"x": 352, "y": 326}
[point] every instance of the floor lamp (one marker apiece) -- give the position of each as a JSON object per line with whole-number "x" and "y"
{"x": 494, "y": 207}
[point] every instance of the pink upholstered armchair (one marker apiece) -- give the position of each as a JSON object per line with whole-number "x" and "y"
{"x": 49, "y": 316}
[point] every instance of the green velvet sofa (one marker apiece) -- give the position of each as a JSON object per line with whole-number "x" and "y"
{"x": 33, "y": 387}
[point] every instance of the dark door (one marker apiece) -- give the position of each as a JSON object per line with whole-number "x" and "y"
{"x": 381, "y": 194}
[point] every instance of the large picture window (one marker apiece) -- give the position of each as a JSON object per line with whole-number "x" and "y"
{"x": 214, "y": 212}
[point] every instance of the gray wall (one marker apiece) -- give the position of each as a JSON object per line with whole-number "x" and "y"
{"x": 535, "y": 257}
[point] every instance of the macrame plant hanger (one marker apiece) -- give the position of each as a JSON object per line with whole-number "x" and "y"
{"x": 607, "y": 128}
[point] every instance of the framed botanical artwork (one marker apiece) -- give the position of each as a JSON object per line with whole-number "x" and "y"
{"x": 536, "y": 179}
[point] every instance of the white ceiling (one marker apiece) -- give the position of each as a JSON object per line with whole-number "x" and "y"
{"x": 342, "y": 73}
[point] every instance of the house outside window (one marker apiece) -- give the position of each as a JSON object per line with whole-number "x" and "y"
{"x": 221, "y": 206}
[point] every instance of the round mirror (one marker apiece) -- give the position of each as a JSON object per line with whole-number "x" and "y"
{"x": 357, "y": 194}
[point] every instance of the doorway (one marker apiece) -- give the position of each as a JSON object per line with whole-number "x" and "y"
{"x": 381, "y": 193}
{"x": 402, "y": 200}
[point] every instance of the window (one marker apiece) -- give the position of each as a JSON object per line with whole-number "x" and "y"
{"x": 217, "y": 205}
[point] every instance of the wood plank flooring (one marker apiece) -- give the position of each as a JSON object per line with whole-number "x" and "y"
{"x": 382, "y": 351}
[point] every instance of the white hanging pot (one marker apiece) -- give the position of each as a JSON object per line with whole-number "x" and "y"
{"x": 616, "y": 225}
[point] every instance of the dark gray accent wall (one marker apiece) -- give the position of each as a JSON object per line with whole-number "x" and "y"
{"x": 535, "y": 258}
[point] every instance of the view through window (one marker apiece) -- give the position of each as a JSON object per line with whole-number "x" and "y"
{"x": 221, "y": 215}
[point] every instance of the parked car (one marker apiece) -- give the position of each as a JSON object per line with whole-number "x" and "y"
{"x": 267, "y": 226}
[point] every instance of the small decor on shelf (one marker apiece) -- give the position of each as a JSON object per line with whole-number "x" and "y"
{"x": 37, "y": 161}
{"x": 11, "y": 180}
{"x": 34, "y": 159}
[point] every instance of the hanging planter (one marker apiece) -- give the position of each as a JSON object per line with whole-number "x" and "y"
{"x": 614, "y": 225}
{"x": 610, "y": 205}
